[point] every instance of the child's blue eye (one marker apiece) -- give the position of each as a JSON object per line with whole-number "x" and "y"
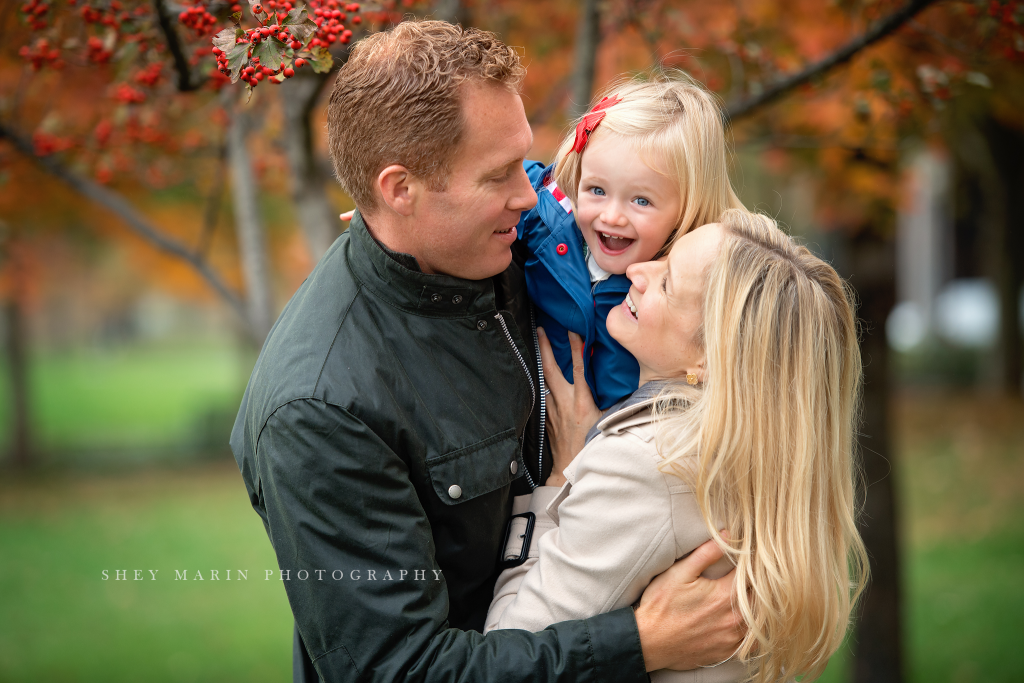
{"x": 598, "y": 191}
{"x": 642, "y": 202}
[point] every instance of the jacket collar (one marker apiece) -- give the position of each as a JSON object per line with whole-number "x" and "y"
{"x": 630, "y": 411}
{"x": 397, "y": 279}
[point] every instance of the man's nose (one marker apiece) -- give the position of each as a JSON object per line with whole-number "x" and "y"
{"x": 523, "y": 198}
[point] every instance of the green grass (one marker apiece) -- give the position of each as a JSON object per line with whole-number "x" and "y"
{"x": 60, "y": 621}
{"x": 966, "y": 609}
{"x": 132, "y": 401}
{"x": 959, "y": 472}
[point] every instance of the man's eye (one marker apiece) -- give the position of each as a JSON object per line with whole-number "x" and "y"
{"x": 642, "y": 201}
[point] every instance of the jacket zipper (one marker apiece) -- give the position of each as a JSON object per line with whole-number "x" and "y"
{"x": 543, "y": 399}
{"x": 529, "y": 377}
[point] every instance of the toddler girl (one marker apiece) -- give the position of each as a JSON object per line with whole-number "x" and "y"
{"x": 643, "y": 167}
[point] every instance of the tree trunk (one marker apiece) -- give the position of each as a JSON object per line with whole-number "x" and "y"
{"x": 991, "y": 153}
{"x": 588, "y": 35}
{"x": 15, "y": 342}
{"x": 877, "y": 651}
{"x": 317, "y": 218}
{"x": 1006, "y": 254}
{"x": 252, "y": 240}
{"x": 17, "y": 368}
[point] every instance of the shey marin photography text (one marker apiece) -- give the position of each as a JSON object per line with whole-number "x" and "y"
{"x": 270, "y": 574}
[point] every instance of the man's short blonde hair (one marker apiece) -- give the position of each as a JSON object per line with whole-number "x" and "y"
{"x": 397, "y": 101}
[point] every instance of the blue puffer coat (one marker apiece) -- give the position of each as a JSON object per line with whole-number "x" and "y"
{"x": 559, "y": 285}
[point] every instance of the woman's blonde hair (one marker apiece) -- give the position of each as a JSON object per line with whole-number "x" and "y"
{"x": 671, "y": 117}
{"x": 772, "y": 432}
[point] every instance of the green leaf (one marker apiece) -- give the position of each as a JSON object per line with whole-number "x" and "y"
{"x": 320, "y": 59}
{"x": 238, "y": 57}
{"x": 270, "y": 52}
{"x": 225, "y": 40}
{"x": 300, "y": 25}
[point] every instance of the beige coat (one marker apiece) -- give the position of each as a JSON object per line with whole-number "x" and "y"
{"x": 599, "y": 540}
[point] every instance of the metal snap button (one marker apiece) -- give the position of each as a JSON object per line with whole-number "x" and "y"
{"x": 562, "y": 249}
{"x": 514, "y": 467}
{"x": 436, "y": 298}
{"x": 481, "y": 325}
{"x": 457, "y": 299}
{"x": 455, "y": 491}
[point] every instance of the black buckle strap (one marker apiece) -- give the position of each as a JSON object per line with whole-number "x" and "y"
{"x": 531, "y": 520}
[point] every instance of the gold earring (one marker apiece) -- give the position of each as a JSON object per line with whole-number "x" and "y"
{"x": 691, "y": 379}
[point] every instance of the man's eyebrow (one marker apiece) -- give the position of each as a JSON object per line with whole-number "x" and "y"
{"x": 505, "y": 165}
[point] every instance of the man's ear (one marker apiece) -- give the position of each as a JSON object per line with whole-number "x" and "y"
{"x": 399, "y": 189}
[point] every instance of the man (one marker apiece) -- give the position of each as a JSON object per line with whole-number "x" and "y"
{"x": 394, "y": 410}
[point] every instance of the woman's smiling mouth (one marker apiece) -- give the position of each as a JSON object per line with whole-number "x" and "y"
{"x": 631, "y": 307}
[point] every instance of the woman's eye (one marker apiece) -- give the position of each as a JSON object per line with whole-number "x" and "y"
{"x": 664, "y": 283}
{"x": 641, "y": 201}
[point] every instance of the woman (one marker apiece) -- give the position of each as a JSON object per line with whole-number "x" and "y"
{"x": 749, "y": 384}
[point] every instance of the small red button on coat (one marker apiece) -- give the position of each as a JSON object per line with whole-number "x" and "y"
{"x": 562, "y": 249}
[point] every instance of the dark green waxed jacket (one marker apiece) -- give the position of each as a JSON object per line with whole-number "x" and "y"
{"x": 381, "y": 438}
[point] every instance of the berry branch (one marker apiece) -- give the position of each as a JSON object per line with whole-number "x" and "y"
{"x": 844, "y": 54}
{"x": 181, "y": 66}
{"x": 133, "y": 219}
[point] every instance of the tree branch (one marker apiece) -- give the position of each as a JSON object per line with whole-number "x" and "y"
{"x": 781, "y": 87}
{"x": 136, "y": 221}
{"x": 185, "y": 82}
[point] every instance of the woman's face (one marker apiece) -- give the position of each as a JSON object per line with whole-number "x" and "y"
{"x": 659, "y": 320}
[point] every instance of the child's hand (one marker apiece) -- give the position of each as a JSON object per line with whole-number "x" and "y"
{"x": 347, "y": 216}
{"x": 570, "y": 407}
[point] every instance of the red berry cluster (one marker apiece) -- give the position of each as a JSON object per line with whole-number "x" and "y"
{"x": 1005, "y": 13}
{"x": 107, "y": 15}
{"x": 46, "y": 144}
{"x": 149, "y": 76}
{"x": 128, "y": 95}
{"x": 97, "y": 52}
{"x": 35, "y": 14}
{"x": 41, "y": 53}
{"x": 330, "y": 20}
{"x": 329, "y": 16}
{"x": 198, "y": 19}
{"x": 103, "y": 131}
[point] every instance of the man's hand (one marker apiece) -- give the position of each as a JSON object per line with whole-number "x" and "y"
{"x": 570, "y": 407}
{"x": 686, "y": 621}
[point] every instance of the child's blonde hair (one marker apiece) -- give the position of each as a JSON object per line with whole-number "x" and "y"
{"x": 768, "y": 444}
{"x": 667, "y": 116}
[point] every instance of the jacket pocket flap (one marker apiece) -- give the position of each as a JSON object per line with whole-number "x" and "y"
{"x": 477, "y": 469}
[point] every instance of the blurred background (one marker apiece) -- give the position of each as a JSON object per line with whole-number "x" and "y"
{"x": 155, "y": 218}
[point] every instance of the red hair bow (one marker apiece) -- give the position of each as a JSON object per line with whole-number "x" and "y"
{"x": 590, "y": 122}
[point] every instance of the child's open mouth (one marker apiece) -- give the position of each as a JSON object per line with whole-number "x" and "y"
{"x": 613, "y": 244}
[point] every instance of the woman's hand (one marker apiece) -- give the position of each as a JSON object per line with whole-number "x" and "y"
{"x": 570, "y": 407}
